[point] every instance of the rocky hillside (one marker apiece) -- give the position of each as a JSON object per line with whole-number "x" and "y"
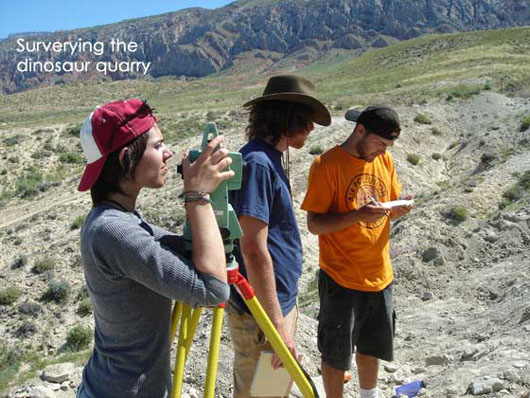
{"x": 462, "y": 260}
{"x": 198, "y": 42}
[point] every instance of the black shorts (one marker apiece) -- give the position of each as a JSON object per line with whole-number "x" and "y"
{"x": 353, "y": 320}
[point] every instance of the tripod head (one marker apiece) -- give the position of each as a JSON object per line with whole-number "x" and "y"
{"x": 224, "y": 213}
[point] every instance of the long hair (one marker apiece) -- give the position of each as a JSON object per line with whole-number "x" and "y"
{"x": 276, "y": 119}
{"x": 113, "y": 173}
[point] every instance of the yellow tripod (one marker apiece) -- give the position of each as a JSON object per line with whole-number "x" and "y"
{"x": 188, "y": 323}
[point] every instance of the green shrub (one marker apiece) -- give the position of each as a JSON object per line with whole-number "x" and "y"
{"x": 436, "y": 131}
{"x": 517, "y": 191}
{"x": 73, "y": 129}
{"x": 82, "y": 293}
{"x": 211, "y": 116}
{"x": 465, "y": 91}
{"x": 78, "y": 337}
{"x": 26, "y": 329}
{"x": 12, "y": 141}
{"x": 57, "y": 291}
{"x": 48, "y": 146}
{"x": 10, "y": 359}
{"x": 78, "y": 222}
{"x": 514, "y": 193}
{"x": 487, "y": 158}
{"x": 316, "y": 150}
{"x": 423, "y": 119}
{"x": 436, "y": 156}
{"x": 60, "y": 148}
{"x": 525, "y": 123}
{"x": 40, "y": 154}
{"x": 504, "y": 203}
{"x": 524, "y": 180}
{"x": 71, "y": 157}
{"x": 30, "y": 184}
{"x": 413, "y": 158}
{"x": 458, "y": 213}
{"x": 20, "y": 262}
{"x": 443, "y": 184}
{"x": 84, "y": 307}
{"x": 43, "y": 265}
{"x": 9, "y": 295}
{"x": 28, "y": 308}
{"x": 187, "y": 128}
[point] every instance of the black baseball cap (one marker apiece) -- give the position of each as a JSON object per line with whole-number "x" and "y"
{"x": 377, "y": 119}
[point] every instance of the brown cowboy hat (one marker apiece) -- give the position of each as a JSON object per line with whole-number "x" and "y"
{"x": 294, "y": 89}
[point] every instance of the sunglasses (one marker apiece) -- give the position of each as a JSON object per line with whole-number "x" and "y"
{"x": 143, "y": 111}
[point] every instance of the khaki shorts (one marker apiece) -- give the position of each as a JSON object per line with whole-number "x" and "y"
{"x": 249, "y": 341}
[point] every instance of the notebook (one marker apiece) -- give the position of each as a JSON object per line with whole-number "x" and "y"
{"x": 269, "y": 382}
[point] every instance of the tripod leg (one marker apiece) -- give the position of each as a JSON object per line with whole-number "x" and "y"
{"x": 176, "y": 387}
{"x": 213, "y": 353}
{"x": 279, "y": 347}
{"x": 192, "y": 327}
{"x": 175, "y": 318}
{"x": 188, "y": 327}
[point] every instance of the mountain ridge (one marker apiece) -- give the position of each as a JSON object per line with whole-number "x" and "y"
{"x": 197, "y": 42}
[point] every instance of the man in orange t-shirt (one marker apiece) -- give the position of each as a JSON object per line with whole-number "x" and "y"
{"x": 347, "y": 185}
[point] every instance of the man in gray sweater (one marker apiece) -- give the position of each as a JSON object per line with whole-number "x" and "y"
{"x": 134, "y": 269}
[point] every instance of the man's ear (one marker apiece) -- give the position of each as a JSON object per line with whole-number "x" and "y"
{"x": 121, "y": 156}
{"x": 359, "y": 130}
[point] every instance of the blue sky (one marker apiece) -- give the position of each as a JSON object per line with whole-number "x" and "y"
{"x": 50, "y": 15}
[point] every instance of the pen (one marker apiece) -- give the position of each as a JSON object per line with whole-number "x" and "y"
{"x": 375, "y": 202}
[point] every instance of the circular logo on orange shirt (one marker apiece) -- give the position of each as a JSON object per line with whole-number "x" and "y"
{"x": 359, "y": 193}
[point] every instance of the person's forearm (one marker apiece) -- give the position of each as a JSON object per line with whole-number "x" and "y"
{"x": 208, "y": 251}
{"x": 328, "y": 223}
{"x": 261, "y": 277}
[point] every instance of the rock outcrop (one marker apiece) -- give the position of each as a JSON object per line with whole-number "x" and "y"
{"x": 197, "y": 42}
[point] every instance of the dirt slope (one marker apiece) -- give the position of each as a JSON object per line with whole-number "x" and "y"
{"x": 462, "y": 287}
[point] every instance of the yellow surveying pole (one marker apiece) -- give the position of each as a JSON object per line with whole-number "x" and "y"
{"x": 279, "y": 347}
{"x": 247, "y": 293}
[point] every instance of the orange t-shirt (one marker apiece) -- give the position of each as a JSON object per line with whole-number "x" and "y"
{"x": 356, "y": 257}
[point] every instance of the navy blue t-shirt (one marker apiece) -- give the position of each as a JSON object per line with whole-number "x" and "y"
{"x": 265, "y": 195}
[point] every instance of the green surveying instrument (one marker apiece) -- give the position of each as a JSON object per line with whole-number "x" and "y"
{"x": 224, "y": 213}
{"x": 189, "y": 318}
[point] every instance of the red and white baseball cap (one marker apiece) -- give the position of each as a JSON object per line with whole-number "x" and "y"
{"x": 109, "y": 128}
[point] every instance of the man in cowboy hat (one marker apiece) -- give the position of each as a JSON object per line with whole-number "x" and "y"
{"x": 270, "y": 251}
{"x": 343, "y": 202}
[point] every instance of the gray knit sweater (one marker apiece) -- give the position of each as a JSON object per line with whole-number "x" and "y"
{"x": 133, "y": 271}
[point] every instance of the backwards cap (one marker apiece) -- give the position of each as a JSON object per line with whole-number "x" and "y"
{"x": 378, "y": 119}
{"x": 109, "y": 128}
